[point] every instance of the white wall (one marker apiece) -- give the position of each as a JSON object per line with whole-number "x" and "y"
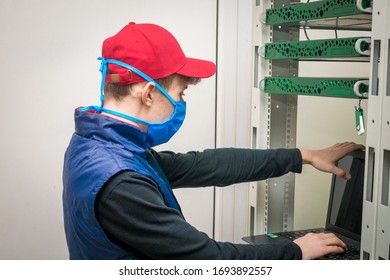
{"x": 233, "y": 110}
{"x": 48, "y": 67}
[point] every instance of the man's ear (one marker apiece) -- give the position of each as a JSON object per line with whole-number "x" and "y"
{"x": 147, "y": 96}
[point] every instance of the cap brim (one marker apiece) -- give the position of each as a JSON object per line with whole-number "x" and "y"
{"x": 197, "y": 68}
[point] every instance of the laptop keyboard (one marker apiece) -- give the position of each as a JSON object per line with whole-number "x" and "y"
{"x": 352, "y": 253}
{"x": 296, "y": 234}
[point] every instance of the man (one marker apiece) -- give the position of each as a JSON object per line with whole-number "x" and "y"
{"x": 118, "y": 201}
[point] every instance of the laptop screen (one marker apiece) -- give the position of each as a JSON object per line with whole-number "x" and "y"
{"x": 346, "y": 197}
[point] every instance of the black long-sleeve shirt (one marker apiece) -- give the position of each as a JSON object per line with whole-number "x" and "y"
{"x": 133, "y": 214}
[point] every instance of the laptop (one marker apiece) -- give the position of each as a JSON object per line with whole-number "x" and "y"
{"x": 344, "y": 216}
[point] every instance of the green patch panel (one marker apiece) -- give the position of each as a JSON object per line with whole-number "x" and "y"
{"x": 356, "y": 47}
{"x": 327, "y": 87}
{"x": 354, "y": 14}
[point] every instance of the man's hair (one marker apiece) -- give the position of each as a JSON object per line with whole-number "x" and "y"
{"x": 120, "y": 91}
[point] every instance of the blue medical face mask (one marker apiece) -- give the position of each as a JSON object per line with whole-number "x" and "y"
{"x": 158, "y": 133}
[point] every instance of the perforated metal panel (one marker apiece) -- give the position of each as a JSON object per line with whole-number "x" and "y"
{"x": 320, "y": 49}
{"x": 326, "y": 87}
{"x": 312, "y": 11}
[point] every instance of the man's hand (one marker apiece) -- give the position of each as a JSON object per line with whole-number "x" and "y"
{"x": 315, "y": 245}
{"x": 325, "y": 159}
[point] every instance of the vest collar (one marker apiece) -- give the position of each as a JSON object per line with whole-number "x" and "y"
{"x": 91, "y": 124}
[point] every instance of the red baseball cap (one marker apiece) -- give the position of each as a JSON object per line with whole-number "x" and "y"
{"x": 154, "y": 51}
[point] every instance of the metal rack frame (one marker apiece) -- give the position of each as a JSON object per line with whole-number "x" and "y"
{"x": 376, "y": 209}
{"x": 274, "y": 116}
{"x": 271, "y": 209}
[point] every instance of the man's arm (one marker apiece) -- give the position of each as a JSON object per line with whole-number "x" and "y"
{"x": 226, "y": 166}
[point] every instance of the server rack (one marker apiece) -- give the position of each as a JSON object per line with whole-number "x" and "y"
{"x": 276, "y": 53}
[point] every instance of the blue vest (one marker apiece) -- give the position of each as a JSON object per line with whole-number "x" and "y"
{"x": 100, "y": 148}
